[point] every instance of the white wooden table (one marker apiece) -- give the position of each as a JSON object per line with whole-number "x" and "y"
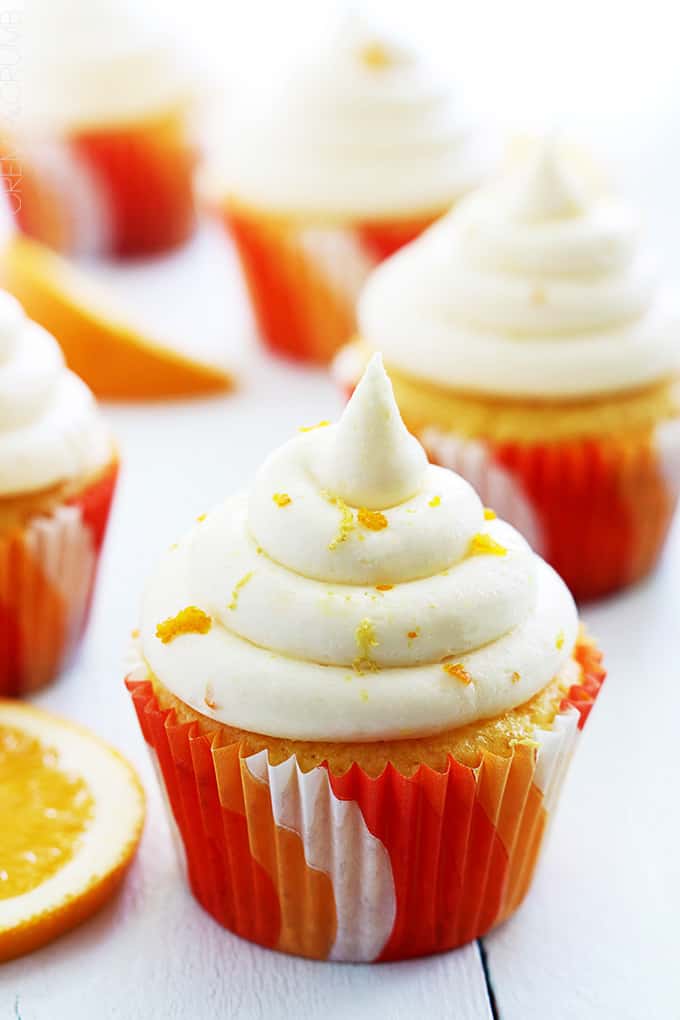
{"x": 597, "y": 936}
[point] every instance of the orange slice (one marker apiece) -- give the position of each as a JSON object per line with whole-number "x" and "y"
{"x": 114, "y": 359}
{"x": 71, "y": 815}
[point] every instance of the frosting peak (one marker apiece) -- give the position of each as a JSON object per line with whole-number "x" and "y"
{"x": 546, "y": 191}
{"x": 352, "y": 39}
{"x": 326, "y": 620}
{"x": 373, "y": 461}
{"x": 358, "y": 127}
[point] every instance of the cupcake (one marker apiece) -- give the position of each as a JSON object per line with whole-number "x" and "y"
{"x": 533, "y": 350}
{"x": 353, "y": 154}
{"x": 58, "y": 470}
{"x": 98, "y": 158}
{"x": 362, "y": 691}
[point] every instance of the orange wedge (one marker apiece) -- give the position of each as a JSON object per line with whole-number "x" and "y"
{"x": 114, "y": 359}
{"x": 71, "y": 815}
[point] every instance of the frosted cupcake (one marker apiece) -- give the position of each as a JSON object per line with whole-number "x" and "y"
{"x": 97, "y": 156}
{"x": 58, "y": 469}
{"x": 351, "y": 155}
{"x": 532, "y": 349}
{"x": 362, "y": 691}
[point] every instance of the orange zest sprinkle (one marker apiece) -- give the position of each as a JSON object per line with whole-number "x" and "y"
{"x": 282, "y": 498}
{"x": 134, "y": 634}
{"x": 489, "y": 514}
{"x": 559, "y": 642}
{"x": 310, "y": 428}
{"x": 208, "y": 698}
{"x": 413, "y": 634}
{"x": 237, "y": 589}
{"x": 371, "y": 519}
{"x": 201, "y": 517}
{"x": 435, "y": 501}
{"x": 515, "y": 677}
{"x": 481, "y": 544}
{"x": 375, "y": 56}
{"x": 457, "y": 670}
{"x": 384, "y": 587}
{"x": 191, "y": 620}
{"x": 346, "y": 520}
{"x": 366, "y": 640}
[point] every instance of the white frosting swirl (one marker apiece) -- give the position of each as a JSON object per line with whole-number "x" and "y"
{"x": 50, "y": 430}
{"x": 531, "y": 287}
{"x": 335, "y": 611}
{"x": 93, "y": 62}
{"x": 358, "y": 128}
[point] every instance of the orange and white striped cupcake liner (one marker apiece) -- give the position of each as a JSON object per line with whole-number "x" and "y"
{"x": 118, "y": 191}
{"x": 351, "y": 867}
{"x": 47, "y": 573}
{"x": 304, "y": 276}
{"x": 597, "y": 509}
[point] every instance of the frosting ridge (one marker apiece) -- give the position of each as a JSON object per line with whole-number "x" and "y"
{"x": 332, "y": 619}
{"x": 50, "y": 429}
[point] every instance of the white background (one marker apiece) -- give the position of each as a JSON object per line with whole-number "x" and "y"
{"x": 598, "y": 935}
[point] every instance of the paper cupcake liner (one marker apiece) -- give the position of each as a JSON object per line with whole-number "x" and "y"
{"x": 304, "y": 278}
{"x": 47, "y": 574}
{"x": 123, "y": 192}
{"x": 349, "y": 867}
{"x": 598, "y": 510}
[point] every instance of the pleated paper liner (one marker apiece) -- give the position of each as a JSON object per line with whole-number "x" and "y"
{"x": 350, "y": 867}
{"x": 47, "y": 574}
{"x": 304, "y": 277}
{"x": 119, "y": 191}
{"x": 598, "y": 510}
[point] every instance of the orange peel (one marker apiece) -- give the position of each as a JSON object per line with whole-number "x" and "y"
{"x": 114, "y": 358}
{"x": 71, "y": 814}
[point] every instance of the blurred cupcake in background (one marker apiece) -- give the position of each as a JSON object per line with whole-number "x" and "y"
{"x": 352, "y": 154}
{"x": 99, "y": 158}
{"x": 58, "y": 468}
{"x": 533, "y": 350}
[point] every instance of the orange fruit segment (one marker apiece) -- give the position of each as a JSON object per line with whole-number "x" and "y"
{"x": 116, "y": 360}
{"x": 71, "y": 816}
